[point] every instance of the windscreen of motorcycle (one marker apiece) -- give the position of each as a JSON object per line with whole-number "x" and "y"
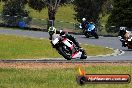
{"x": 90, "y": 27}
{"x": 55, "y": 39}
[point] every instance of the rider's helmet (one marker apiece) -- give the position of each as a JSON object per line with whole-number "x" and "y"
{"x": 83, "y": 19}
{"x": 91, "y": 22}
{"x": 52, "y": 30}
{"x": 122, "y": 31}
{"x": 122, "y": 28}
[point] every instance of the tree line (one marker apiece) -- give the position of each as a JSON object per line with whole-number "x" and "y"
{"x": 121, "y": 14}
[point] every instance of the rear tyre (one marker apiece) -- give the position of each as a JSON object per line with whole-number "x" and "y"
{"x": 63, "y": 53}
{"x": 96, "y": 36}
{"x": 129, "y": 47}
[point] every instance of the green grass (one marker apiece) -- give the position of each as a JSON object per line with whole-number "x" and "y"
{"x": 64, "y": 13}
{"x": 15, "y": 47}
{"x": 58, "y": 78}
{"x": 93, "y": 50}
{"x": 1, "y": 28}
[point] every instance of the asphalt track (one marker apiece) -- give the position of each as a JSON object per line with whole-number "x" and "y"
{"x": 125, "y": 55}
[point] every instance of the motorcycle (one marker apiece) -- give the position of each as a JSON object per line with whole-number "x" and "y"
{"x": 91, "y": 31}
{"x": 67, "y": 48}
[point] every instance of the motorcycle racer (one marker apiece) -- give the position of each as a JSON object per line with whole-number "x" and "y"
{"x": 66, "y": 45}
{"x": 52, "y": 31}
{"x": 123, "y": 35}
{"x": 84, "y": 24}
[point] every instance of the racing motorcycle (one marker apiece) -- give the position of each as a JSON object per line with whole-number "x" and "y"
{"x": 67, "y": 48}
{"x": 90, "y": 32}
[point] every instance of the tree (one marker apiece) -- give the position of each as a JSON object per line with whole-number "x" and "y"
{"x": 121, "y": 15}
{"x": 18, "y": 6}
{"x": 52, "y": 6}
{"x": 13, "y": 11}
{"x": 37, "y": 4}
{"x": 106, "y": 7}
{"x": 89, "y": 9}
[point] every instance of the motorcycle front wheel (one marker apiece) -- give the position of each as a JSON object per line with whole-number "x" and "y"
{"x": 64, "y": 52}
{"x": 87, "y": 35}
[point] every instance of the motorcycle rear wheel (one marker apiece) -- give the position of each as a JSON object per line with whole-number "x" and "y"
{"x": 96, "y": 35}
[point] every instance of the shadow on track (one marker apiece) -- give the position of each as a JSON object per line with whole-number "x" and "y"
{"x": 88, "y": 38}
{"x": 127, "y": 49}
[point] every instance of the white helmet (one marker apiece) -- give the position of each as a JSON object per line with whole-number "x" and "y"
{"x": 83, "y": 19}
{"x": 123, "y": 28}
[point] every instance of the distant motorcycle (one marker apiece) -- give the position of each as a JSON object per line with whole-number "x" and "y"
{"x": 67, "y": 48}
{"x": 91, "y": 31}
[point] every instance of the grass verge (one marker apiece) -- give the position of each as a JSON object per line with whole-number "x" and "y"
{"x": 16, "y": 47}
{"x": 58, "y": 78}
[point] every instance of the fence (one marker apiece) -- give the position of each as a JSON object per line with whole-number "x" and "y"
{"x": 37, "y": 23}
{"x": 41, "y": 24}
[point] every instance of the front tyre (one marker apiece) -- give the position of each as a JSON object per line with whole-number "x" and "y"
{"x": 86, "y": 34}
{"x": 64, "y": 53}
